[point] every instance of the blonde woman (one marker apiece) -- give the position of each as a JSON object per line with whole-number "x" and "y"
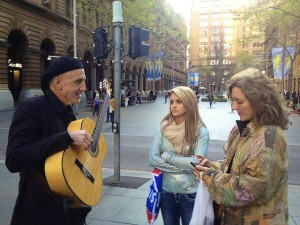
{"x": 180, "y": 136}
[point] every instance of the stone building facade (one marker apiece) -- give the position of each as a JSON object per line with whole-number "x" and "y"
{"x": 34, "y": 32}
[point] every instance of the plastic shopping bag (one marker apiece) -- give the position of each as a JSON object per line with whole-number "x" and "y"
{"x": 203, "y": 212}
{"x": 153, "y": 199}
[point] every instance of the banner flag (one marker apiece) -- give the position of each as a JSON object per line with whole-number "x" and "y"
{"x": 191, "y": 76}
{"x": 149, "y": 68}
{"x": 277, "y": 54}
{"x": 196, "y": 79}
{"x": 154, "y": 66}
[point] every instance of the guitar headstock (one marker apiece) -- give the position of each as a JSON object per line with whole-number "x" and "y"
{"x": 105, "y": 85}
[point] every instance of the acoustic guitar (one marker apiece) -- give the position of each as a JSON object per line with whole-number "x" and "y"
{"x": 76, "y": 173}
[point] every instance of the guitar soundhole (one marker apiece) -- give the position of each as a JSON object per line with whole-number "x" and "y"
{"x": 94, "y": 149}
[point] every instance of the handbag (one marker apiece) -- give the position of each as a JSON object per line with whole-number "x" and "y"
{"x": 217, "y": 213}
{"x": 153, "y": 199}
{"x": 203, "y": 212}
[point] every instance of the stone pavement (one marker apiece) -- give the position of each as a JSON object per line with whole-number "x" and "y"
{"x": 123, "y": 204}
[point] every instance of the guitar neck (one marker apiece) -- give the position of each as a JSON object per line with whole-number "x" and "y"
{"x": 99, "y": 123}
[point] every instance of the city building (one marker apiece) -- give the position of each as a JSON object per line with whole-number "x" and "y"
{"x": 221, "y": 44}
{"x": 213, "y": 42}
{"x": 34, "y": 32}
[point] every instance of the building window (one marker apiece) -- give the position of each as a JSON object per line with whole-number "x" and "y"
{"x": 203, "y": 24}
{"x": 202, "y": 47}
{"x": 203, "y": 39}
{"x": 228, "y": 22}
{"x": 47, "y": 3}
{"x": 203, "y": 16}
{"x": 216, "y": 23}
{"x": 256, "y": 52}
{"x": 215, "y": 38}
{"x": 227, "y": 54}
{"x": 228, "y": 30}
{"x": 214, "y": 62}
{"x": 228, "y": 38}
{"x": 204, "y": 32}
{"x": 215, "y": 30}
{"x": 216, "y": 15}
{"x": 68, "y": 8}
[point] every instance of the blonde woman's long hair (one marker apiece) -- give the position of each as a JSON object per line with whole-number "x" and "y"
{"x": 193, "y": 120}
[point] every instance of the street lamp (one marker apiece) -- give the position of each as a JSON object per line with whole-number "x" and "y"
{"x": 173, "y": 69}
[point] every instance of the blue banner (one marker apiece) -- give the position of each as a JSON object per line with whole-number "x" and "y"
{"x": 149, "y": 68}
{"x": 154, "y": 66}
{"x": 277, "y": 55}
{"x": 196, "y": 79}
{"x": 191, "y": 78}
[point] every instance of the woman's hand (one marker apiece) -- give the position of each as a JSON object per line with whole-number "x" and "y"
{"x": 203, "y": 161}
{"x": 203, "y": 167}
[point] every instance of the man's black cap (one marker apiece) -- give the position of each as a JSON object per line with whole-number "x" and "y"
{"x": 61, "y": 65}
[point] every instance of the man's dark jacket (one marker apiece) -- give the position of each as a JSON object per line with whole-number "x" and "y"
{"x": 38, "y": 130}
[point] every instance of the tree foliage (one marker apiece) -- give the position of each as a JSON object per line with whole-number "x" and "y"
{"x": 243, "y": 61}
{"x": 280, "y": 17}
{"x": 279, "y": 21}
{"x": 154, "y": 15}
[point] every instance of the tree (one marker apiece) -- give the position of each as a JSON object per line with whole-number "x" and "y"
{"x": 279, "y": 21}
{"x": 154, "y": 15}
{"x": 243, "y": 61}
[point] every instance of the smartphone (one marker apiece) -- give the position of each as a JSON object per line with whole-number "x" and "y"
{"x": 194, "y": 164}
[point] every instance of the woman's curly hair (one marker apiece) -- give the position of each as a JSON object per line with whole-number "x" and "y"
{"x": 269, "y": 106}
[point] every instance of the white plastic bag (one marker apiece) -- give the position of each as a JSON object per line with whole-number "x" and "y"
{"x": 203, "y": 212}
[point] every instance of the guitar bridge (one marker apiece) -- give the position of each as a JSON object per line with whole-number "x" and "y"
{"x": 84, "y": 170}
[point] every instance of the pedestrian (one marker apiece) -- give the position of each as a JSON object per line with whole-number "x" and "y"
{"x": 181, "y": 135}
{"x": 154, "y": 96}
{"x": 250, "y": 183}
{"x": 210, "y": 98}
{"x": 138, "y": 97}
{"x": 112, "y": 109}
{"x": 295, "y": 103}
{"x": 94, "y": 94}
{"x": 103, "y": 95}
{"x": 293, "y": 93}
{"x": 166, "y": 97}
{"x": 96, "y": 105}
{"x": 38, "y": 130}
{"x": 151, "y": 96}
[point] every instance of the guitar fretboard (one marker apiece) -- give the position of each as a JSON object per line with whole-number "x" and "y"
{"x": 99, "y": 124}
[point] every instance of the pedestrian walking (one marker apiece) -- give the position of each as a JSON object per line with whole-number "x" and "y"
{"x": 39, "y": 130}
{"x": 138, "y": 97}
{"x": 211, "y": 98}
{"x": 295, "y": 104}
{"x": 112, "y": 109}
{"x": 181, "y": 135}
{"x": 250, "y": 183}
{"x": 96, "y": 105}
{"x": 166, "y": 97}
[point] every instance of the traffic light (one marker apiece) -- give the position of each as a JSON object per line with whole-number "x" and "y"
{"x": 137, "y": 37}
{"x": 100, "y": 43}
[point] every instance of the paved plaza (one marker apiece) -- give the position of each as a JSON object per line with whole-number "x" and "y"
{"x": 125, "y": 204}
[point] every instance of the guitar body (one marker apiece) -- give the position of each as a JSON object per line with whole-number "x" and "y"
{"x": 76, "y": 173}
